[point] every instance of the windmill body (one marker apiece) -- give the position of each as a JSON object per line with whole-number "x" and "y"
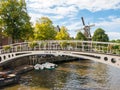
{"x": 86, "y": 29}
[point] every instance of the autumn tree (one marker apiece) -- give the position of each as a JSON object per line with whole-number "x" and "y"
{"x": 16, "y": 21}
{"x": 100, "y": 35}
{"x": 44, "y": 29}
{"x": 80, "y": 36}
{"x": 63, "y": 34}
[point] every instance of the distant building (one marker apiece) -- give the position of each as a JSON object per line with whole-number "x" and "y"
{"x": 5, "y": 40}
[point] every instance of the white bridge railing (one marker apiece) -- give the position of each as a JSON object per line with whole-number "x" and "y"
{"x": 72, "y": 45}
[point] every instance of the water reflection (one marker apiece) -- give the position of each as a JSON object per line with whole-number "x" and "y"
{"x": 77, "y": 75}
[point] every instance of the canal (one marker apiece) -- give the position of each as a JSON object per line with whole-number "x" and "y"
{"x": 76, "y": 75}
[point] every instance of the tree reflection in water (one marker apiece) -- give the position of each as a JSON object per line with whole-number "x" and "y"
{"x": 76, "y": 75}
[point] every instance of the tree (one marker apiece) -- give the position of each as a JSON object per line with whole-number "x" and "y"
{"x": 63, "y": 34}
{"x": 16, "y": 21}
{"x": 115, "y": 41}
{"x": 44, "y": 29}
{"x": 80, "y": 36}
{"x": 99, "y": 35}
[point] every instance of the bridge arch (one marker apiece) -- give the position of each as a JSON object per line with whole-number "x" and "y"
{"x": 97, "y": 51}
{"x": 106, "y": 59}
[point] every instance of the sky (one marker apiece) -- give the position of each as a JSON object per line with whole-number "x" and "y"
{"x": 104, "y": 14}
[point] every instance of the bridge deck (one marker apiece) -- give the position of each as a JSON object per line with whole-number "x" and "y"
{"x": 104, "y": 52}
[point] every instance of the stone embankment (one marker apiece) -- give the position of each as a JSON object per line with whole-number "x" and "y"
{"x": 21, "y": 63}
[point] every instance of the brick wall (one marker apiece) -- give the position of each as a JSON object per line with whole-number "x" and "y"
{"x": 6, "y": 40}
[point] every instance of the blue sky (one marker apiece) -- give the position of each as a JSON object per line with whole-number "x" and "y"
{"x": 102, "y": 13}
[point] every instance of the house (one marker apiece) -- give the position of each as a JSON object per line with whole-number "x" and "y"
{"x": 4, "y": 40}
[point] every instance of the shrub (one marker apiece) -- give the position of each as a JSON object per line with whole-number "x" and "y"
{"x": 7, "y": 47}
{"x": 33, "y": 44}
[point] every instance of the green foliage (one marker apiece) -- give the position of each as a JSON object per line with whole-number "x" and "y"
{"x": 99, "y": 35}
{"x": 19, "y": 47}
{"x": 44, "y": 30}
{"x": 63, "y": 44}
{"x": 33, "y": 44}
{"x": 115, "y": 41}
{"x": 45, "y": 20}
{"x": 73, "y": 44}
{"x": 63, "y": 34}
{"x": 80, "y": 36}
{"x": 16, "y": 22}
{"x": 118, "y": 41}
{"x": 116, "y": 47}
{"x": 42, "y": 44}
{"x": 105, "y": 49}
{"x": 7, "y": 47}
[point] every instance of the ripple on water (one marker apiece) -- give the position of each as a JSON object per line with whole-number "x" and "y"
{"x": 77, "y": 75}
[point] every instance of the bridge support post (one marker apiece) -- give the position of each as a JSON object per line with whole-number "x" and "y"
{"x": 82, "y": 46}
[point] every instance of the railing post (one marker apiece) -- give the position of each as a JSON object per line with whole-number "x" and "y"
{"x": 82, "y": 46}
{"x": 75, "y": 46}
{"x": 91, "y": 47}
{"x": 56, "y": 48}
{"x": 21, "y": 46}
{"x": 38, "y": 45}
{"x": 49, "y": 46}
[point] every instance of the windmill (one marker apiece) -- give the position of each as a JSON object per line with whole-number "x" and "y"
{"x": 86, "y": 29}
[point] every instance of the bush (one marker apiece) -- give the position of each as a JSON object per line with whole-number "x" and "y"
{"x": 7, "y": 47}
{"x": 33, "y": 44}
{"x": 63, "y": 44}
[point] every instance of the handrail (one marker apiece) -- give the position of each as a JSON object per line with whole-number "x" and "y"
{"x": 76, "y": 45}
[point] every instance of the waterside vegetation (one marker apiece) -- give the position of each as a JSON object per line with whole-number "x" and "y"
{"x": 15, "y": 23}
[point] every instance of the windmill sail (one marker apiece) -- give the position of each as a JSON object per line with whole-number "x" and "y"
{"x": 86, "y": 29}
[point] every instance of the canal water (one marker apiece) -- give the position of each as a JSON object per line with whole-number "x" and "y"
{"x": 76, "y": 75}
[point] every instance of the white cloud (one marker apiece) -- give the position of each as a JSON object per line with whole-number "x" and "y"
{"x": 66, "y": 10}
{"x": 111, "y": 25}
{"x": 56, "y": 17}
{"x": 69, "y": 8}
{"x": 62, "y": 9}
{"x": 96, "y": 5}
{"x": 92, "y": 5}
{"x": 114, "y": 35}
{"x": 34, "y": 17}
{"x": 74, "y": 25}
